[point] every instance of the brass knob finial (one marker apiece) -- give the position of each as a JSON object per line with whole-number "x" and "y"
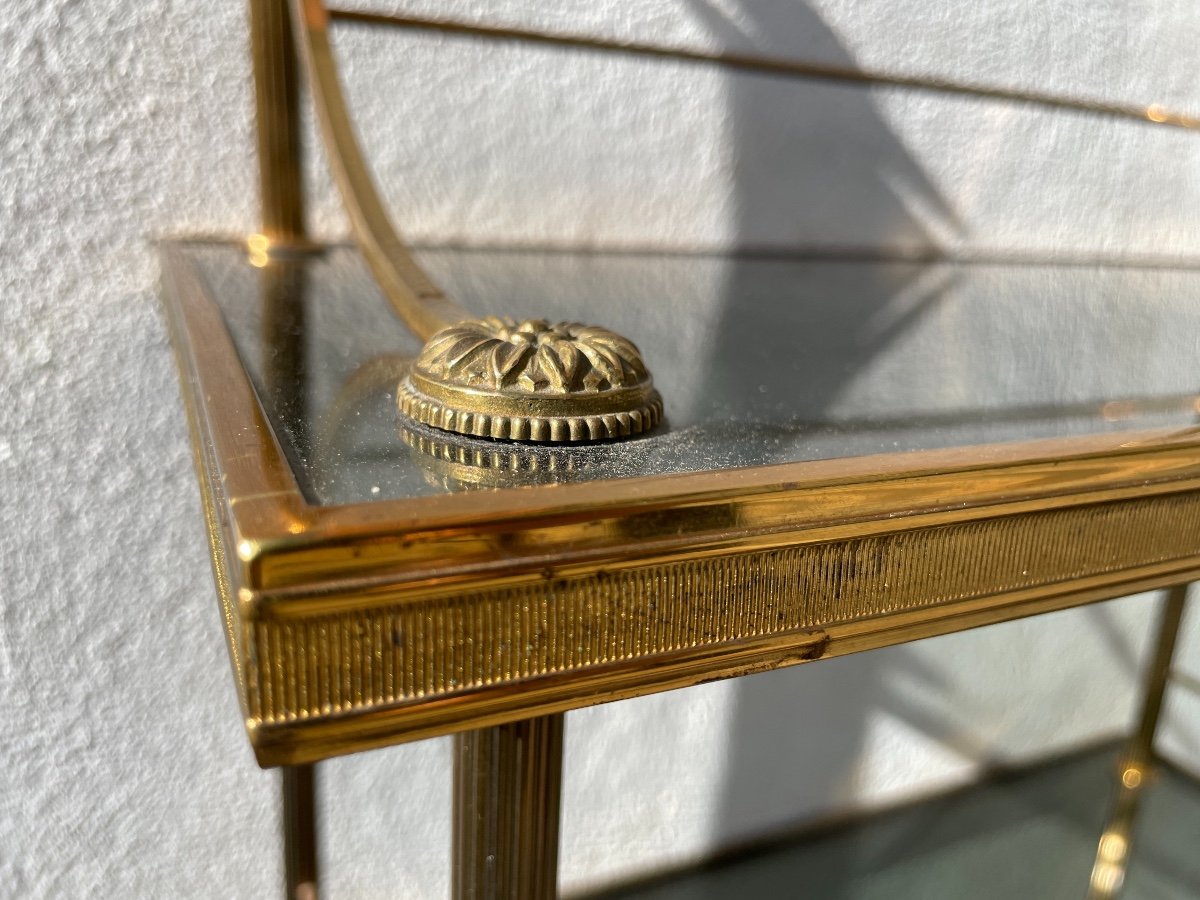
{"x": 531, "y": 381}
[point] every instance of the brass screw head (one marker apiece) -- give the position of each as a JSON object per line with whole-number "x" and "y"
{"x": 531, "y": 381}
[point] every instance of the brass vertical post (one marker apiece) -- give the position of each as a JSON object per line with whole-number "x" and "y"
{"x": 277, "y": 121}
{"x": 507, "y": 783}
{"x": 300, "y": 832}
{"x": 1141, "y": 747}
{"x": 1136, "y": 763}
{"x": 280, "y": 178}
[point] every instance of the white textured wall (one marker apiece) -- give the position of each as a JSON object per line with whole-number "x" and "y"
{"x": 122, "y": 120}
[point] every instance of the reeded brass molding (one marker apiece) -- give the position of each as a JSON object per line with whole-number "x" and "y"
{"x": 507, "y": 793}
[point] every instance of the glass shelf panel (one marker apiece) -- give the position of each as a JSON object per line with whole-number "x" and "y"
{"x": 1028, "y": 833}
{"x": 759, "y": 360}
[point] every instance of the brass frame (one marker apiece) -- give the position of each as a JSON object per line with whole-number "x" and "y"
{"x": 624, "y": 588}
{"x": 355, "y": 627}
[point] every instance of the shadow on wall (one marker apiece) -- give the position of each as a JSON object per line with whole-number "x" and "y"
{"x": 811, "y": 159}
{"x": 816, "y": 165}
{"x": 814, "y": 162}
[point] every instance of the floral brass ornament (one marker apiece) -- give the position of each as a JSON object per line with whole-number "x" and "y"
{"x": 531, "y": 380}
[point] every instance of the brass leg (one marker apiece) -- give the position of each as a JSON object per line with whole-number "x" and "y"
{"x": 1136, "y": 763}
{"x": 507, "y": 783}
{"x": 300, "y": 832}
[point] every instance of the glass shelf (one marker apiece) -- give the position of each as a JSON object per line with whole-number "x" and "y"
{"x": 1030, "y": 833}
{"x": 759, "y": 360}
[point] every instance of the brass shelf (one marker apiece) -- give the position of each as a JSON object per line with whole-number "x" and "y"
{"x": 356, "y": 626}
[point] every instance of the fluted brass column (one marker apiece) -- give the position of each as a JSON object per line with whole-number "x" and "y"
{"x": 507, "y": 783}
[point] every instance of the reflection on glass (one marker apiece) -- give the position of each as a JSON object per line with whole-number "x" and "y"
{"x": 809, "y": 360}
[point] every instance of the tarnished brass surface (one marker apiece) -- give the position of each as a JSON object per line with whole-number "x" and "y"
{"x": 355, "y": 627}
{"x": 358, "y": 626}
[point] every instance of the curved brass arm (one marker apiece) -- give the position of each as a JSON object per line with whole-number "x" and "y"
{"x": 495, "y": 377}
{"x": 420, "y": 303}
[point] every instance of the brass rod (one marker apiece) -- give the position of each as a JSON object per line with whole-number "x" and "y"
{"x": 300, "y": 832}
{"x": 1141, "y": 749}
{"x": 423, "y": 307}
{"x": 923, "y": 255}
{"x": 1135, "y": 766}
{"x": 768, "y": 65}
{"x": 507, "y": 788}
{"x": 277, "y": 122}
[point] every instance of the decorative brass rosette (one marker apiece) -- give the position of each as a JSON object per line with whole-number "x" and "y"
{"x": 531, "y": 381}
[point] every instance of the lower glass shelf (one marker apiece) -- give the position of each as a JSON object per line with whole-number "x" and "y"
{"x": 1029, "y": 833}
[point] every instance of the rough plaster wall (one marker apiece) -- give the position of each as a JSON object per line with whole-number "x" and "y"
{"x": 125, "y": 768}
{"x": 631, "y": 151}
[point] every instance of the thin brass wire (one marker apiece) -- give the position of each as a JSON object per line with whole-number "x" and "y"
{"x": 1153, "y": 113}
